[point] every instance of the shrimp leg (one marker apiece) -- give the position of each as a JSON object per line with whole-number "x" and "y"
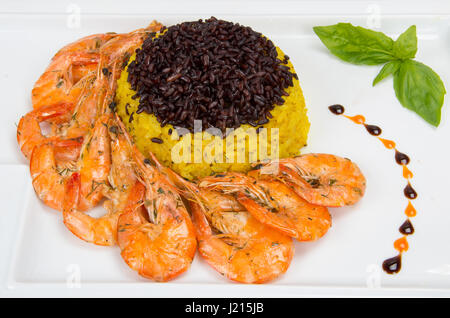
{"x": 94, "y": 165}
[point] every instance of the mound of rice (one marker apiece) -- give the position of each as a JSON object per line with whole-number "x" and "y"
{"x": 290, "y": 118}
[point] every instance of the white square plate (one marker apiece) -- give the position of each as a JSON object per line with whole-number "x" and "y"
{"x": 41, "y": 258}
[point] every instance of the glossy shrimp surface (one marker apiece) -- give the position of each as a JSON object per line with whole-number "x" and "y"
{"x": 158, "y": 239}
{"x": 49, "y": 177}
{"x": 60, "y": 81}
{"x": 324, "y": 179}
{"x": 274, "y": 204}
{"x": 57, "y": 84}
{"x": 87, "y": 109}
{"x": 122, "y": 175}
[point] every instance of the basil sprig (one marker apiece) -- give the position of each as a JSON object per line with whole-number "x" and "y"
{"x": 416, "y": 85}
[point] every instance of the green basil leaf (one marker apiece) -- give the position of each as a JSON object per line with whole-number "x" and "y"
{"x": 420, "y": 89}
{"x": 405, "y": 47}
{"x": 356, "y": 45}
{"x": 388, "y": 69}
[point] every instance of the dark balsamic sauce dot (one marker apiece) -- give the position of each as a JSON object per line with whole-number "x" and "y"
{"x": 401, "y": 158}
{"x": 373, "y": 130}
{"x": 393, "y": 265}
{"x": 406, "y": 228}
{"x": 409, "y": 192}
{"x": 336, "y": 109}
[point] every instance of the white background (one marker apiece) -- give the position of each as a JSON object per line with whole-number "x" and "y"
{"x": 39, "y": 257}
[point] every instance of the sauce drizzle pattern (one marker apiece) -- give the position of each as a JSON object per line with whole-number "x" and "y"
{"x": 391, "y": 265}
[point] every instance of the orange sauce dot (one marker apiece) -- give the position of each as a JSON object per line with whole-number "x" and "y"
{"x": 389, "y": 144}
{"x": 407, "y": 174}
{"x": 410, "y": 211}
{"x": 401, "y": 244}
{"x": 358, "y": 119}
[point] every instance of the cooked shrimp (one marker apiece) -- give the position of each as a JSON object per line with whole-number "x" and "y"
{"x": 94, "y": 165}
{"x": 274, "y": 204}
{"x": 158, "y": 239}
{"x": 29, "y": 133}
{"x": 87, "y": 110}
{"x": 103, "y": 230}
{"x": 49, "y": 178}
{"x": 91, "y": 44}
{"x": 256, "y": 254}
{"x": 56, "y": 84}
{"x": 323, "y": 179}
{"x": 67, "y": 151}
{"x": 69, "y": 65}
{"x": 121, "y": 176}
{"x": 49, "y": 174}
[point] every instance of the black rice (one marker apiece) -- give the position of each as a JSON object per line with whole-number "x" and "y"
{"x": 221, "y": 73}
{"x": 157, "y": 140}
{"x": 105, "y": 71}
